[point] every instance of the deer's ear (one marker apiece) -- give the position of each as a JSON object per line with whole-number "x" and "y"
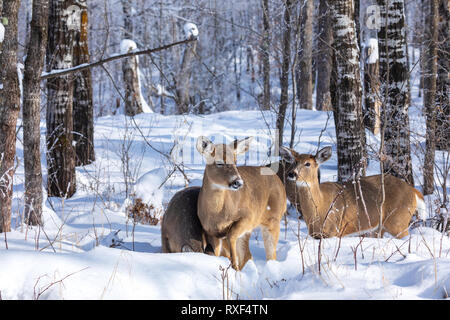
{"x": 287, "y": 155}
{"x": 205, "y": 146}
{"x": 241, "y": 146}
{"x": 323, "y": 155}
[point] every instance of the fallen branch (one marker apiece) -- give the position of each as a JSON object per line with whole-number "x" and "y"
{"x": 84, "y": 66}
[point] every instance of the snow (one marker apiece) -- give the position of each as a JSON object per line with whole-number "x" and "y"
{"x": 127, "y": 45}
{"x": 372, "y": 49}
{"x": 190, "y": 30}
{"x": 77, "y": 246}
{"x": 2, "y": 32}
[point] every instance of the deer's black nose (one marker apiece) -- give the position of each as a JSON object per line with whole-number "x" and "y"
{"x": 292, "y": 175}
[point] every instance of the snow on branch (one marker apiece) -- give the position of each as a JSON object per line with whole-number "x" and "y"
{"x": 62, "y": 72}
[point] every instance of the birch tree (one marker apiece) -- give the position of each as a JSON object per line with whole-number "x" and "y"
{"x": 34, "y": 65}
{"x": 63, "y": 19}
{"x": 347, "y": 111}
{"x": 83, "y": 109}
{"x": 394, "y": 78}
{"x": 9, "y": 110}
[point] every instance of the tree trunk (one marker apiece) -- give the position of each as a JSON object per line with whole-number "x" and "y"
{"x": 324, "y": 58}
{"x": 34, "y": 65}
{"x": 83, "y": 109}
{"x": 429, "y": 94}
{"x": 184, "y": 76}
{"x": 265, "y": 48}
{"x": 9, "y": 111}
{"x": 394, "y": 77}
{"x": 443, "y": 80}
{"x": 304, "y": 72}
{"x": 61, "y": 180}
{"x": 372, "y": 87}
{"x": 347, "y": 113}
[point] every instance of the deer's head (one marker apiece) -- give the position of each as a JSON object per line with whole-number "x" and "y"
{"x": 220, "y": 159}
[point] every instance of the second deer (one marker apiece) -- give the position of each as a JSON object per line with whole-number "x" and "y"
{"x": 332, "y": 209}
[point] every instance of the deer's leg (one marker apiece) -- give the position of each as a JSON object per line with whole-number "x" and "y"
{"x": 270, "y": 237}
{"x": 238, "y": 230}
{"x": 243, "y": 250}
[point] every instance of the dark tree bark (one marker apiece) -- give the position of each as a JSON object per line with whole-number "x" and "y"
{"x": 83, "y": 109}
{"x": 61, "y": 180}
{"x": 304, "y": 71}
{"x": 265, "y": 53}
{"x": 284, "y": 80}
{"x": 9, "y": 111}
{"x": 443, "y": 80}
{"x": 347, "y": 112}
{"x": 34, "y": 65}
{"x": 394, "y": 77}
{"x": 324, "y": 58}
{"x": 429, "y": 94}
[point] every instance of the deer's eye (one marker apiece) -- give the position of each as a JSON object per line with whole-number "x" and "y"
{"x": 307, "y": 164}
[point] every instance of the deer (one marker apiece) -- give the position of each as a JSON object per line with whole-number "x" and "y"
{"x": 181, "y": 230}
{"x": 233, "y": 201}
{"x": 333, "y": 209}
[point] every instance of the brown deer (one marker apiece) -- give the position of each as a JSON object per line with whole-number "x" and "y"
{"x": 332, "y": 209}
{"x": 181, "y": 230}
{"x": 235, "y": 200}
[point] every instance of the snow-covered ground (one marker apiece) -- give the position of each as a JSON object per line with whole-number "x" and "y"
{"x": 71, "y": 257}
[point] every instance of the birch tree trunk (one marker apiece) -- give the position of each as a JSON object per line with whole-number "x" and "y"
{"x": 83, "y": 110}
{"x": 265, "y": 53}
{"x": 34, "y": 65}
{"x": 429, "y": 94}
{"x": 372, "y": 87}
{"x": 324, "y": 58}
{"x": 61, "y": 180}
{"x": 347, "y": 112}
{"x": 284, "y": 79}
{"x": 304, "y": 72}
{"x": 9, "y": 111}
{"x": 394, "y": 77}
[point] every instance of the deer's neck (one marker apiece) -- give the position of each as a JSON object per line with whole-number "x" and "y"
{"x": 311, "y": 202}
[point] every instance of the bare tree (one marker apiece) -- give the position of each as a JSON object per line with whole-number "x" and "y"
{"x": 372, "y": 102}
{"x": 265, "y": 53}
{"x": 324, "y": 58}
{"x": 304, "y": 71}
{"x": 284, "y": 79}
{"x": 183, "y": 78}
{"x": 347, "y": 111}
{"x": 9, "y": 111}
{"x": 429, "y": 95}
{"x": 83, "y": 109}
{"x": 133, "y": 99}
{"x": 34, "y": 64}
{"x": 394, "y": 78}
{"x": 443, "y": 80}
{"x": 61, "y": 181}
